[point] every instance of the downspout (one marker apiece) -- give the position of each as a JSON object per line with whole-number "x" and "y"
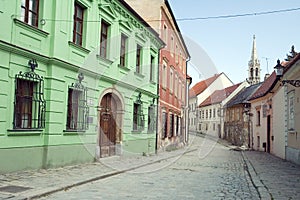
{"x": 186, "y": 124}
{"x": 157, "y": 106}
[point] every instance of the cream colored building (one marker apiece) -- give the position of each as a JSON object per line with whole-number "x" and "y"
{"x": 291, "y": 81}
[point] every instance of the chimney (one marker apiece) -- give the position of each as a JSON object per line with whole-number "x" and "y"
{"x": 266, "y": 76}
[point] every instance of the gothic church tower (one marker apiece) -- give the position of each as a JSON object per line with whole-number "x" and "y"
{"x": 254, "y": 66}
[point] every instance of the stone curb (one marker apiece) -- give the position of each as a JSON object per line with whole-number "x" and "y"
{"x": 257, "y": 183}
{"x": 106, "y": 175}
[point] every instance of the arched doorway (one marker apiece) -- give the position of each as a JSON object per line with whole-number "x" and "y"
{"x": 110, "y": 116}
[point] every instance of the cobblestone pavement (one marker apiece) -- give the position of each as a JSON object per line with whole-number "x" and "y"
{"x": 278, "y": 178}
{"x": 210, "y": 172}
{"x": 204, "y": 170}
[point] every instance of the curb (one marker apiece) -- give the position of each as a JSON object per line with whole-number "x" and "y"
{"x": 260, "y": 187}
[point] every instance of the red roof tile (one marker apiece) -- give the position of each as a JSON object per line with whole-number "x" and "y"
{"x": 219, "y": 95}
{"x": 265, "y": 87}
{"x": 202, "y": 85}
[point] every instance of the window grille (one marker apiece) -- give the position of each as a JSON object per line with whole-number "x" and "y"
{"x": 29, "y": 104}
{"x": 138, "y": 115}
{"x": 78, "y": 111}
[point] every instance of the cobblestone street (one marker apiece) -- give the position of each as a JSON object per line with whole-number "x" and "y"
{"x": 206, "y": 170}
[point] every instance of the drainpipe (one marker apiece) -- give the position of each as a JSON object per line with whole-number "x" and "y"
{"x": 157, "y": 106}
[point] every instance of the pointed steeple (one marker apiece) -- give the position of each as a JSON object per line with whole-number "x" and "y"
{"x": 254, "y": 52}
{"x": 254, "y": 65}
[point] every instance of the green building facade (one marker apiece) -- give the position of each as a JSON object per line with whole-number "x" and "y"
{"x": 78, "y": 82}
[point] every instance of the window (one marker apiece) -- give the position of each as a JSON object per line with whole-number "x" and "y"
{"x": 251, "y": 73}
{"x": 138, "y": 58}
{"x": 78, "y": 24}
{"x": 165, "y": 124}
{"x": 256, "y": 72}
{"x": 165, "y": 34}
{"x": 258, "y": 118}
{"x": 29, "y": 105}
{"x": 138, "y": 116}
{"x": 77, "y": 112}
{"x": 151, "y": 119}
{"x": 291, "y": 110}
{"x": 152, "y": 68}
{"x": 104, "y": 39}
{"x": 124, "y": 39}
{"x": 209, "y": 113}
{"x": 206, "y": 113}
{"x": 176, "y": 85}
{"x": 172, "y": 45}
{"x": 177, "y": 126}
{"x": 171, "y": 80}
{"x": 200, "y": 114}
{"x": 30, "y": 12}
{"x": 171, "y": 134}
{"x": 164, "y": 76}
{"x": 214, "y": 113}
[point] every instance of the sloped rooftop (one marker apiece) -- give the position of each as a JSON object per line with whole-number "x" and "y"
{"x": 243, "y": 96}
{"x": 202, "y": 85}
{"x": 219, "y": 95}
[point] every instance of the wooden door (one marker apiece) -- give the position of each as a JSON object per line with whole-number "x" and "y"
{"x": 108, "y": 126}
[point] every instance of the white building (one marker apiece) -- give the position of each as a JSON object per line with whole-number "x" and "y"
{"x": 200, "y": 91}
{"x": 210, "y": 111}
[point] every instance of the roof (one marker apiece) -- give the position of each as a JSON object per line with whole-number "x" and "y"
{"x": 202, "y": 85}
{"x": 219, "y": 95}
{"x": 291, "y": 63}
{"x": 265, "y": 87}
{"x": 243, "y": 96}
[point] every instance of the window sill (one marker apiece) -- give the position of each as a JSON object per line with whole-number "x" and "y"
{"x": 139, "y": 75}
{"x": 31, "y": 28}
{"x": 73, "y": 132}
{"x": 123, "y": 68}
{"x": 78, "y": 47}
{"x": 104, "y": 61}
{"x": 24, "y": 132}
{"x": 152, "y": 82}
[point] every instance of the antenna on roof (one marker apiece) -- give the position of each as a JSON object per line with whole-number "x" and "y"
{"x": 267, "y": 60}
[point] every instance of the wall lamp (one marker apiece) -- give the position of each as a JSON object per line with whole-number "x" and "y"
{"x": 32, "y": 64}
{"x": 279, "y": 73}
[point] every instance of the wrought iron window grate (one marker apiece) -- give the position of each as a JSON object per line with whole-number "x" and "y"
{"x": 29, "y": 105}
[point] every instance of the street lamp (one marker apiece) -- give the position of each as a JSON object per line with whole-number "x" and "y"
{"x": 279, "y": 73}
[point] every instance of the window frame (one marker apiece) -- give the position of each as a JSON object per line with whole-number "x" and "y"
{"x": 78, "y": 20}
{"x": 104, "y": 36}
{"x": 80, "y": 120}
{"x": 123, "y": 48}
{"x": 138, "y": 64}
{"x": 37, "y": 105}
{"x": 25, "y": 7}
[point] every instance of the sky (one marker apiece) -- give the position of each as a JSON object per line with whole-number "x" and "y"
{"x": 225, "y": 45}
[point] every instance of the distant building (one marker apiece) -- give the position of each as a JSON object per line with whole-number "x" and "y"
{"x": 199, "y": 92}
{"x": 253, "y": 66}
{"x": 210, "y": 111}
{"x": 238, "y": 123}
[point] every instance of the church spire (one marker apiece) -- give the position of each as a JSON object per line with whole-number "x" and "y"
{"x": 254, "y": 65}
{"x": 254, "y": 52}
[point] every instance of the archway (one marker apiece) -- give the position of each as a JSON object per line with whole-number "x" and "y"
{"x": 110, "y": 114}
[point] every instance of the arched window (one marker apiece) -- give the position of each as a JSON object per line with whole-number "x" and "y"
{"x": 251, "y": 72}
{"x": 256, "y": 72}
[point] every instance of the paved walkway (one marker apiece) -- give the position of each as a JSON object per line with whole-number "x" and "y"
{"x": 272, "y": 177}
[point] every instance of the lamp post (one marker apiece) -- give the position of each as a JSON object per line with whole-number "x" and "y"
{"x": 279, "y": 73}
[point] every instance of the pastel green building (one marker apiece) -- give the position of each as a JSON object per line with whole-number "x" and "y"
{"x": 78, "y": 82}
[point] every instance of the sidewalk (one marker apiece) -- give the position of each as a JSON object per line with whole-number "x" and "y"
{"x": 37, "y": 183}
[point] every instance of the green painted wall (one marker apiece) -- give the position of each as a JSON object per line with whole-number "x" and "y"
{"x": 60, "y": 62}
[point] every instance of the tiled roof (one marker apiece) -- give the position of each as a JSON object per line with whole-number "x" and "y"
{"x": 202, "y": 85}
{"x": 243, "y": 96}
{"x": 265, "y": 87}
{"x": 291, "y": 63}
{"x": 219, "y": 95}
